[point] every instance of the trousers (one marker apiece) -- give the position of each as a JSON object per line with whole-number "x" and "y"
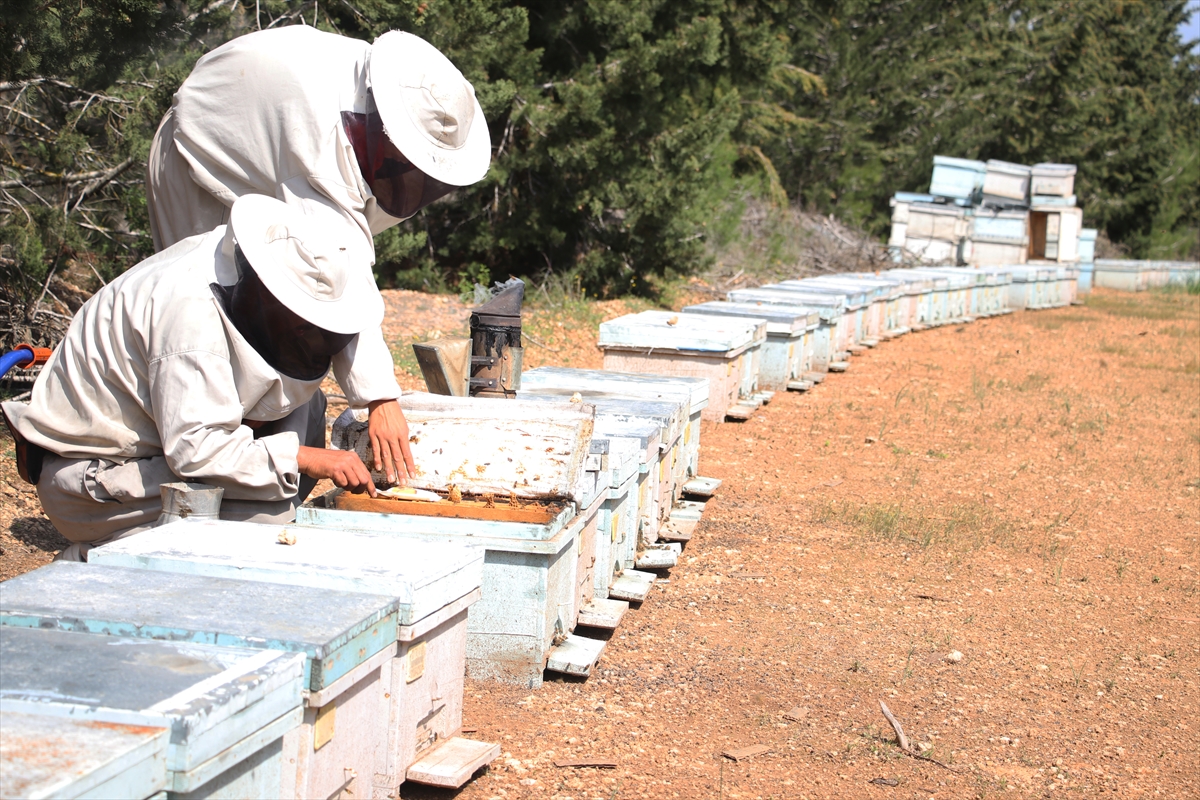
{"x": 96, "y": 501}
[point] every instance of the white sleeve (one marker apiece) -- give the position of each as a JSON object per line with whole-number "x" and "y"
{"x": 194, "y": 402}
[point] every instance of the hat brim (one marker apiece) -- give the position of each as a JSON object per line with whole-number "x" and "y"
{"x": 360, "y": 306}
{"x": 397, "y": 53}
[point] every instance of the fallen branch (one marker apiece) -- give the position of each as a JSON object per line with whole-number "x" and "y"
{"x": 902, "y": 740}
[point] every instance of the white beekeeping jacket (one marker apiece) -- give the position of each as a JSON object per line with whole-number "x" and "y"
{"x": 152, "y": 366}
{"x": 262, "y": 115}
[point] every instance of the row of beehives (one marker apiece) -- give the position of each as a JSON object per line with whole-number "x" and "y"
{"x": 984, "y": 213}
{"x": 1137, "y": 276}
{"x": 326, "y": 658}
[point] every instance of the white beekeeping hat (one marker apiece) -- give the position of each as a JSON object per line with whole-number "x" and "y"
{"x": 428, "y": 108}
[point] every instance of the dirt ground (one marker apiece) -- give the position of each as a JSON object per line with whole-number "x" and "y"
{"x": 994, "y": 528}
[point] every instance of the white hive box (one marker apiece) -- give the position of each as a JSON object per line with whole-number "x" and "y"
{"x": 1052, "y": 179}
{"x": 636, "y": 510}
{"x": 1124, "y": 274}
{"x": 999, "y": 237}
{"x": 932, "y": 251}
{"x": 857, "y": 300}
{"x": 670, "y": 411}
{"x": 914, "y": 300}
{"x": 55, "y": 757}
{"x": 619, "y": 471}
{"x": 787, "y": 353}
{"x": 532, "y": 579}
{"x": 349, "y": 641}
{"x": 957, "y": 177}
{"x": 433, "y": 585}
{"x": 1087, "y": 245}
{"x": 935, "y": 306}
{"x": 1006, "y": 184}
{"x": 693, "y": 390}
{"x": 1027, "y": 288}
{"x": 228, "y": 709}
{"x": 961, "y": 284}
{"x": 834, "y": 335}
{"x": 877, "y": 293}
{"x": 722, "y": 349}
{"x": 1054, "y": 233}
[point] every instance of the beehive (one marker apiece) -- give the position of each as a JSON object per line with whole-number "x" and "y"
{"x": 228, "y": 709}
{"x": 47, "y": 756}
{"x": 432, "y": 585}
{"x": 788, "y": 351}
{"x": 724, "y": 350}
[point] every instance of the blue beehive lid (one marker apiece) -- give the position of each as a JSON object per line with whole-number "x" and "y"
{"x": 424, "y": 577}
{"x": 336, "y": 630}
{"x": 222, "y": 704}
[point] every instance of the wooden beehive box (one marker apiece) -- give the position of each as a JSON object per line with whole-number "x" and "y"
{"x": 957, "y": 177}
{"x": 228, "y": 709}
{"x": 787, "y": 353}
{"x": 432, "y": 586}
{"x": 721, "y": 349}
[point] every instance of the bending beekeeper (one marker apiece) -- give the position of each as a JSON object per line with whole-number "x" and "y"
{"x": 203, "y": 363}
{"x": 348, "y": 133}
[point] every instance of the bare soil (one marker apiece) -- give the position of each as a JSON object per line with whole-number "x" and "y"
{"x": 994, "y": 528}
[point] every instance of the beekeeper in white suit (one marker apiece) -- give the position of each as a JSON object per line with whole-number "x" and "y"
{"x": 202, "y": 363}
{"x": 347, "y": 132}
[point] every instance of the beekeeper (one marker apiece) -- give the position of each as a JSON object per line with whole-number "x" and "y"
{"x": 345, "y": 131}
{"x": 203, "y": 363}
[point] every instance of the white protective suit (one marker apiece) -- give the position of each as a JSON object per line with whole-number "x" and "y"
{"x": 262, "y": 115}
{"x": 152, "y": 384}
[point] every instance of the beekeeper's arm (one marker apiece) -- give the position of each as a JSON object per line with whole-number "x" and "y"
{"x": 195, "y": 404}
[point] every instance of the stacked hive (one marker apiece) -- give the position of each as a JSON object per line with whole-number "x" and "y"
{"x": 988, "y": 213}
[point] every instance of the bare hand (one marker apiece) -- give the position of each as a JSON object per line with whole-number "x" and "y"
{"x": 343, "y": 467}
{"x": 388, "y": 430}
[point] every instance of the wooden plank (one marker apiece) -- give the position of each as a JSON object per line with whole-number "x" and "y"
{"x": 452, "y": 763}
{"x": 702, "y": 487}
{"x": 576, "y": 655}
{"x": 677, "y": 530}
{"x": 740, "y": 411}
{"x": 631, "y": 585}
{"x": 500, "y": 509}
{"x": 603, "y": 613}
{"x": 596, "y": 764}
{"x": 658, "y": 556}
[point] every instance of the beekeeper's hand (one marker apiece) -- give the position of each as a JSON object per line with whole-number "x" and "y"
{"x": 388, "y": 430}
{"x": 343, "y": 467}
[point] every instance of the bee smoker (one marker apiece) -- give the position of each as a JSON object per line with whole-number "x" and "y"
{"x": 496, "y": 351}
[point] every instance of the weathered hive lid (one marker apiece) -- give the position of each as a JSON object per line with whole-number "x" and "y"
{"x": 1088, "y": 234}
{"x": 647, "y": 433}
{"x": 633, "y": 383}
{"x": 1053, "y": 170}
{"x": 671, "y": 413}
{"x": 959, "y": 277}
{"x": 780, "y": 319}
{"x": 422, "y": 576}
{"x": 936, "y": 282}
{"x": 961, "y": 163}
{"x": 995, "y": 165}
{"x": 830, "y": 306}
{"x": 856, "y": 297}
{"x": 489, "y": 445}
{"x": 874, "y": 288}
{"x": 46, "y": 756}
{"x": 666, "y": 330}
{"x": 336, "y": 630}
{"x": 213, "y": 698}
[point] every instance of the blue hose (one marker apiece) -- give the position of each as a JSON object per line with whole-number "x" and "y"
{"x": 14, "y": 359}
